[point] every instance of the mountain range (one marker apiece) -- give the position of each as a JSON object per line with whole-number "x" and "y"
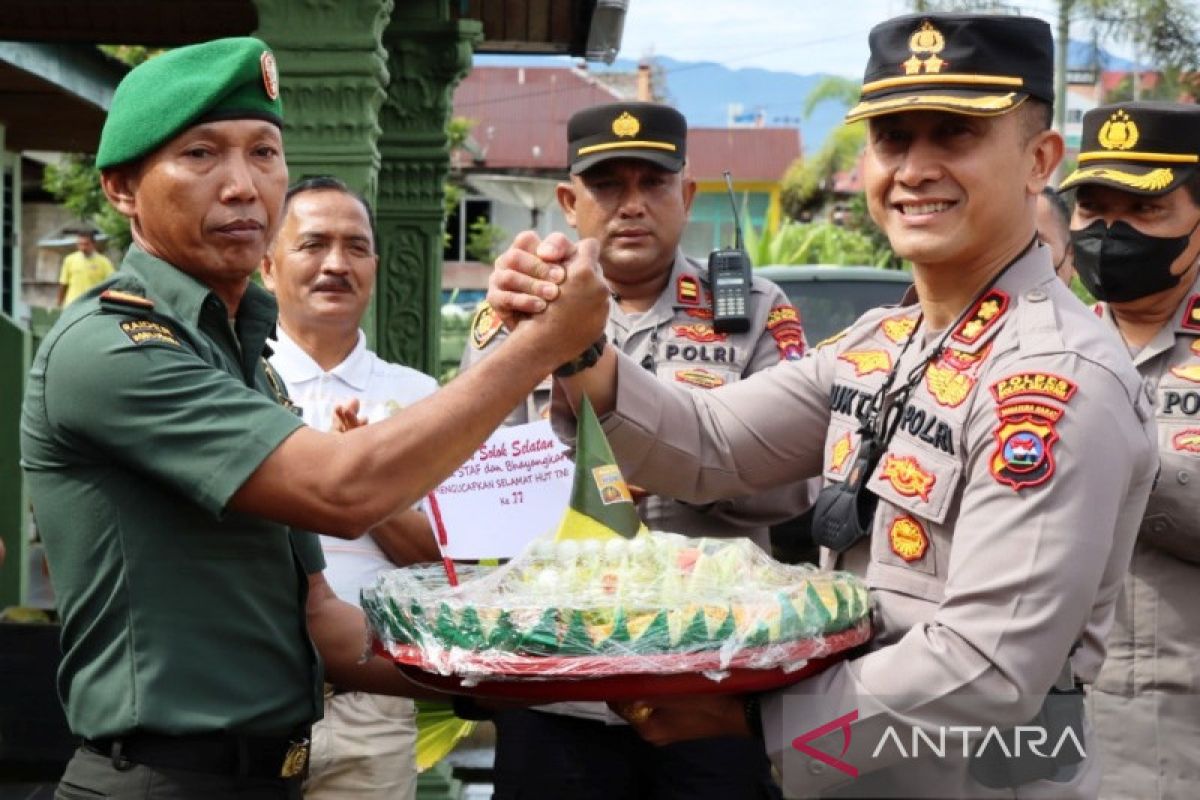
{"x": 705, "y": 91}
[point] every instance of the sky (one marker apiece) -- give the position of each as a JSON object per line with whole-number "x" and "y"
{"x": 803, "y": 36}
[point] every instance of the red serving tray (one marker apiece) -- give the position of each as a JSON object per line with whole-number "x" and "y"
{"x": 550, "y": 679}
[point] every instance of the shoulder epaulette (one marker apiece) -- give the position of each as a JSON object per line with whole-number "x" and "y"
{"x": 118, "y": 300}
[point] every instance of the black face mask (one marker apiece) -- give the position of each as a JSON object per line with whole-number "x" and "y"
{"x": 1119, "y": 263}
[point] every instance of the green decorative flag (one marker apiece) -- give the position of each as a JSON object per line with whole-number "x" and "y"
{"x": 601, "y": 505}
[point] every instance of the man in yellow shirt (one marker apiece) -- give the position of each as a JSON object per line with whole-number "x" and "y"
{"x": 82, "y": 269}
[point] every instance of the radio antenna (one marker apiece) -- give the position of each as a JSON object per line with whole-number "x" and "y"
{"x": 737, "y": 225}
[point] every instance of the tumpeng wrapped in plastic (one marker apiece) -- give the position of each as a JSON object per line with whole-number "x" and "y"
{"x": 656, "y": 604}
{"x": 606, "y": 597}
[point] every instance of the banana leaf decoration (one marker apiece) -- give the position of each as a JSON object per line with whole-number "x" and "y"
{"x": 438, "y": 732}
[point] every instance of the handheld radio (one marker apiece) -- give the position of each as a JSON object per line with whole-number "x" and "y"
{"x": 729, "y": 272}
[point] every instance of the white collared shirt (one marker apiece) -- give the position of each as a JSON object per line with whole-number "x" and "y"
{"x": 382, "y": 389}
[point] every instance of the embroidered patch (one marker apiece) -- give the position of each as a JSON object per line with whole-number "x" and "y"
{"x": 484, "y": 326}
{"x": 698, "y": 333}
{"x": 789, "y": 338}
{"x": 687, "y": 291}
{"x": 611, "y": 485}
{"x": 1191, "y": 372}
{"x": 898, "y": 329}
{"x": 837, "y": 337}
{"x": 908, "y": 538}
{"x": 1187, "y": 441}
{"x": 270, "y": 74}
{"x": 1045, "y": 384}
{"x": 951, "y": 378}
{"x": 907, "y": 476}
{"x": 1024, "y": 450}
{"x": 1196, "y": 346}
{"x": 698, "y": 376}
{"x": 115, "y": 296}
{"x": 782, "y": 315}
{"x": 699, "y": 313}
{"x": 840, "y": 452}
{"x": 986, "y": 313}
{"x": 868, "y": 361}
{"x": 1191, "y": 318}
{"x": 144, "y": 331}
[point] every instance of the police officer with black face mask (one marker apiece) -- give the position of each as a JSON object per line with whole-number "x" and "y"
{"x": 1137, "y": 250}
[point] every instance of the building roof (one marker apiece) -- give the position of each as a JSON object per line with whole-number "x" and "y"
{"x": 521, "y": 114}
{"x": 521, "y": 118}
{"x": 749, "y": 154}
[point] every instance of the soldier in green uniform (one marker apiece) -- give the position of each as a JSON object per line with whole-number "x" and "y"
{"x": 169, "y": 472}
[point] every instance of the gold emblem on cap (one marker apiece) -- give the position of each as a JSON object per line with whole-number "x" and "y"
{"x": 626, "y": 125}
{"x": 1119, "y": 132}
{"x": 270, "y": 74}
{"x": 928, "y": 41}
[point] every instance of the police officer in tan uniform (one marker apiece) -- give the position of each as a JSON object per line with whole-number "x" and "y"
{"x": 627, "y": 189}
{"x": 987, "y": 450}
{"x": 1137, "y": 247}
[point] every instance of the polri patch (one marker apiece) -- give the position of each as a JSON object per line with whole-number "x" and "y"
{"x": 908, "y": 539}
{"x": 789, "y": 338}
{"x": 907, "y": 476}
{"x": 698, "y": 376}
{"x": 1187, "y": 441}
{"x": 1042, "y": 384}
{"x": 1024, "y": 446}
{"x": 1190, "y": 372}
{"x": 146, "y": 331}
{"x": 782, "y": 315}
{"x": 839, "y": 452}
{"x": 898, "y": 329}
{"x": 867, "y": 362}
{"x": 484, "y": 326}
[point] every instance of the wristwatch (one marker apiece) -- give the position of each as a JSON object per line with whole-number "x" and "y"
{"x": 587, "y": 358}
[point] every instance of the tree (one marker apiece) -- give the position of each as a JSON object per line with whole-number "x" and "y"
{"x": 75, "y": 182}
{"x": 806, "y": 181}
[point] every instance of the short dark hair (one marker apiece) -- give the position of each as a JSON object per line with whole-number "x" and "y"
{"x": 328, "y": 183}
{"x": 1036, "y": 116}
{"x": 1059, "y": 205}
{"x": 87, "y": 233}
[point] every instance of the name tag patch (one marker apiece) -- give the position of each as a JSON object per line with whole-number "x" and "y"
{"x": 145, "y": 331}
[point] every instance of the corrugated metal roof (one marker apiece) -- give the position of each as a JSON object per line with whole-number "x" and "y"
{"x": 521, "y": 121}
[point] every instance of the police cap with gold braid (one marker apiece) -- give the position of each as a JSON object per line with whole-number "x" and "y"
{"x": 646, "y": 131}
{"x": 977, "y": 64}
{"x": 1144, "y": 148}
{"x": 232, "y": 78}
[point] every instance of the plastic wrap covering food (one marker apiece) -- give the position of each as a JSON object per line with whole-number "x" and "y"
{"x": 655, "y": 604}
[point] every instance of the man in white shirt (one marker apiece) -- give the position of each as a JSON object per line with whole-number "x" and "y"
{"x": 322, "y": 268}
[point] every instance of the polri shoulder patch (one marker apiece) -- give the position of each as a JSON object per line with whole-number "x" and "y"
{"x": 147, "y": 331}
{"x": 127, "y": 300}
{"x": 484, "y": 326}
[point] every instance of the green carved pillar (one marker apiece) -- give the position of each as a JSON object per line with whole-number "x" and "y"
{"x": 428, "y": 53}
{"x": 333, "y": 71}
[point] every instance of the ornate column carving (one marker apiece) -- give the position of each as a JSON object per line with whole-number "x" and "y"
{"x": 428, "y": 53}
{"x": 333, "y": 70}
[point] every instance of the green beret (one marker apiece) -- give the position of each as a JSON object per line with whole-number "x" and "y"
{"x": 232, "y": 78}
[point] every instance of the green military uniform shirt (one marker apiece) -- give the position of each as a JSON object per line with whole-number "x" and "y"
{"x": 140, "y": 422}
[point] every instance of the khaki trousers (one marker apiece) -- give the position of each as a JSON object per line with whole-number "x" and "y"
{"x": 364, "y": 749}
